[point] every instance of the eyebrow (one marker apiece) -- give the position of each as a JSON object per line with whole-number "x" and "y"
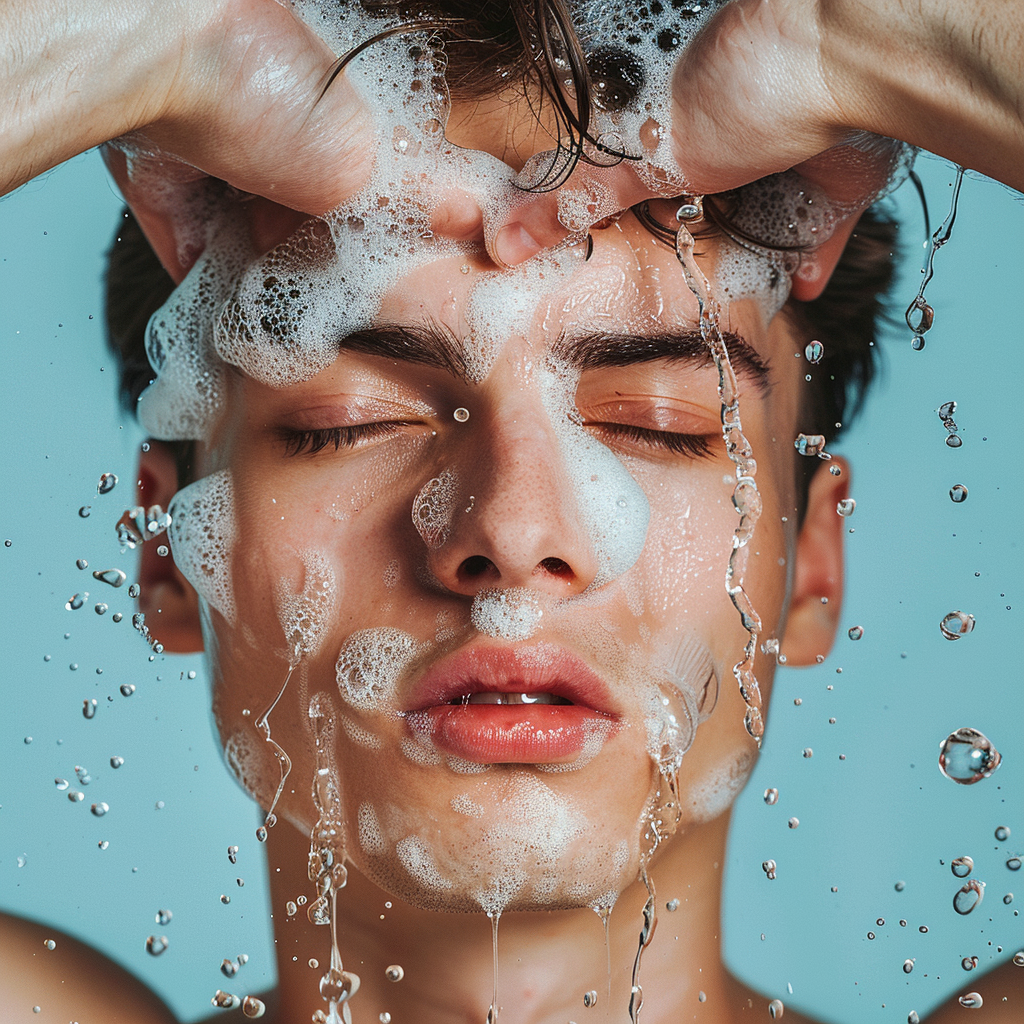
{"x": 434, "y": 346}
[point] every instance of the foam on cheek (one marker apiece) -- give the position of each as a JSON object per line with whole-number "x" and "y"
{"x": 370, "y": 664}
{"x": 415, "y": 856}
{"x": 243, "y": 755}
{"x": 719, "y": 787}
{"x": 371, "y": 838}
{"x": 433, "y": 507}
{"x": 202, "y": 535}
{"x": 305, "y": 617}
{"x": 612, "y": 507}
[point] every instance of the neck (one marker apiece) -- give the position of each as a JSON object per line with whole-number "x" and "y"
{"x": 546, "y": 961}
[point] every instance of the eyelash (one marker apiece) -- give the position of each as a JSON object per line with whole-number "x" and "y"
{"x": 696, "y": 446}
{"x": 309, "y": 442}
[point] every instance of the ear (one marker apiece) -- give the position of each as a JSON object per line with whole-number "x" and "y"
{"x": 817, "y": 596}
{"x": 170, "y": 604}
{"x": 816, "y": 266}
{"x": 155, "y": 211}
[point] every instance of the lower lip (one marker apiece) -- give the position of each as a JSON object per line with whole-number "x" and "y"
{"x": 515, "y": 733}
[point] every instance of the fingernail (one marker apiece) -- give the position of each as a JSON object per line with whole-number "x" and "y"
{"x": 514, "y": 245}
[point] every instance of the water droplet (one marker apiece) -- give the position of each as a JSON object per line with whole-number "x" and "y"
{"x": 972, "y": 1000}
{"x": 50, "y": 944}
{"x": 956, "y": 624}
{"x": 871, "y": 935}
{"x": 252, "y": 1007}
{"x": 108, "y": 481}
{"x": 958, "y": 492}
{"x": 163, "y": 917}
{"x": 61, "y": 784}
{"x": 76, "y": 601}
{"x": 100, "y": 608}
{"x": 836, "y": 470}
{"x": 776, "y": 1009}
{"x": 233, "y": 854}
{"x": 917, "y": 342}
{"x": 84, "y": 511}
{"x": 968, "y": 896}
{"x": 691, "y": 209}
{"x": 961, "y": 866}
{"x": 156, "y": 944}
{"x": 814, "y": 352}
{"x": 808, "y": 752}
{"x": 243, "y": 959}
{"x": 461, "y": 414}
{"x": 1013, "y": 863}
{"x": 900, "y": 886}
{"x": 89, "y": 708}
{"x": 769, "y": 867}
{"x": 771, "y": 796}
{"x": 846, "y": 507}
{"x": 228, "y": 968}
{"x": 22, "y": 860}
{"x": 261, "y": 834}
{"x": 224, "y": 898}
{"x": 794, "y": 823}
{"x": 75, "y": 796}
{"x": 672, "y": 906}
{"x": 1008, "y": 898}
{"x": 969, "y": 963}
{"x": 395, "y": 972}
{"x": 339, "y": 986}
{"x": 913, "y": 1018}
{"x": 809, "y": 444}
{"x": 1018, "y": 959}
{"x": 127, "y": 689}
{"x": 290, "y": 908}
{"x": 954, "y": 440}
{"x": 99, "y": 809}
{"x": 385, "y": 1018}
{"x": 116, "y": 761}
{"x": 163, "y": 551}
{"x": 590, "y": 998}
{"x": 1002, "y": 833}
{"x": 225, "y": 1000}
{"x": 855, "y": 632}
{"x": 967, "y": 756}
{"x": 82, "y": 563}
{"x": 908, "y": 966}
{"x": 702, "y": 995}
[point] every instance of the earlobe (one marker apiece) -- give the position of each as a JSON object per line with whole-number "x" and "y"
{"x": 817, "y": 596}
{"x": 167, "y": 599}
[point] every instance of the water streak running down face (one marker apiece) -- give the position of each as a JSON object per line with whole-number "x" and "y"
{"x": 484, "y": 515}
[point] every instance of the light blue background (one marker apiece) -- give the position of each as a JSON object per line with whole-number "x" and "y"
{"x": 881, "y": 815}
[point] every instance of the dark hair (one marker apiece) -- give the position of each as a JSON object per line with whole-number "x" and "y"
{"x": 487, "y": 43}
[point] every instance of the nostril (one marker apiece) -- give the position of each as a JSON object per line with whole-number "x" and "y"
{"x": 476, "y": 566}
{"x": 556, "y": 567}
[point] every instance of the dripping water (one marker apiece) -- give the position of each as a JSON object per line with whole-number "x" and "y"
{"x": 919, "y": 315}
{"x": 262, "y": 723}
{"x": 604, "y": 912}
{"x": 745, "y": 496}
{"x": 636, "y": 992}
{"x": 492, "y": 1013}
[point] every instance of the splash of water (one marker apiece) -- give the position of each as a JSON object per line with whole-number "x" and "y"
{"x": 650, "y": 913}
{"x": 745, "y": 495}
{"x": 262, "y": 724}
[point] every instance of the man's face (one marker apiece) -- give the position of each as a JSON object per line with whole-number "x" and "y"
{"x": 490, "y": 540}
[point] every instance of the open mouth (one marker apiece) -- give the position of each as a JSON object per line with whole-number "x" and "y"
{"x": 536, "y": 704}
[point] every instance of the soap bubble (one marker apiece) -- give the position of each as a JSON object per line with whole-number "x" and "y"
{"x": 956, "y": 624}
{"x": 967, "y": 756}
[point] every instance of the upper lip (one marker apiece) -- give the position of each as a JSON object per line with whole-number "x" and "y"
{"x": 524, "y": 668}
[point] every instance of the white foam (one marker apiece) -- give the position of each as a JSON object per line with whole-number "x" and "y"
{"x": 371, "y": 836}
{"x": 463, "y": 804}
{"x": 511, "y": 614}
{"x": 416, "y": 858}
{"x": 370, "y": 664}
{"x": 202, "y": 536}
{"x": 306, "y": 617}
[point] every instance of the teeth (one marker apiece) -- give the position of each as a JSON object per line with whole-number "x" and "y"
{"x": 491, "y": 697}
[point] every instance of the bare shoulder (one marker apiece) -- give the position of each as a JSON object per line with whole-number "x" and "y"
{"x": 70, "y": 982}
{"x": 1002, "y": 992}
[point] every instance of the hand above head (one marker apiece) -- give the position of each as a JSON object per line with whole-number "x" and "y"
{"x": 821, "y": 86}
{"x": 226, "y": 86}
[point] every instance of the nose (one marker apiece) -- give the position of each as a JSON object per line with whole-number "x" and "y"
{"x": 515, "y": 522}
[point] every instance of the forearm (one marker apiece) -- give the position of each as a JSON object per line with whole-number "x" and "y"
{"x": 75, "y": 73}
{"x": 944, "y": 75}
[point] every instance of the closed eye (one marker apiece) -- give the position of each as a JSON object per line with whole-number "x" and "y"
{"x": 309, "y": 442}
{"x": 696, "y": 446}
